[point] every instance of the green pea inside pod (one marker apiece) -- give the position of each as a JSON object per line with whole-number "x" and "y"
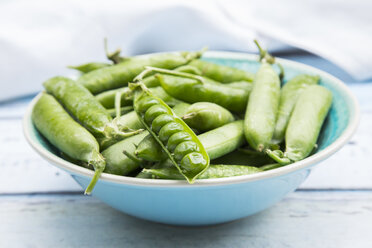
{"x": 153, "y": 112}
{"x": 160, "y": 121}
{"x": 176, "y": 139}
{"x": 145, "y": 103}
{"x": 168, "y": 130}
{"x": 185, "y": 148}
{"x": 194, "y": 161}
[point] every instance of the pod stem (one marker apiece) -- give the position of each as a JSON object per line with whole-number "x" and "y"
{"x": 115, "y": 55}
{"x": 264, "y": 55}
{"x": 188, "y": 116}
{"x": 278, "y": 156}
{"x": 132, "y": 157}
{"x": 98, "y": 163}
{"x": 118, "y": 103}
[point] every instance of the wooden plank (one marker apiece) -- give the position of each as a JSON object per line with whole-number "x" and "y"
{"x": 303, "y": 219}
{"x": 25, "y": 171}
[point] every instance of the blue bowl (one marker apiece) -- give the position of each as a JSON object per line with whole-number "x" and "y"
{"x": 213, "y": 201}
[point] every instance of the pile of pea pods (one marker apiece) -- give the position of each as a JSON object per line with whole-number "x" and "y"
{"x": 175, "y": 116}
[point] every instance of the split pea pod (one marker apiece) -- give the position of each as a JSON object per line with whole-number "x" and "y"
{"x": 260, "y": 116}
{"x": 194, "y": 89}
{"x": 131, "y": 120}
{"x": 304, "y": 124}
{"x": 86, "y": 109}
{"x": 88, "y": 67}
{"x": 61, "y": 130}
{"x": 205, "y": 116}
{"x": 221, "y": 73}
{"x": 217, "y": 142}
{"x": 119, "y": 75}
{"x": 213, "y": 171}
{"x": 161, "y": 122}
{"x": 288, "y": 97}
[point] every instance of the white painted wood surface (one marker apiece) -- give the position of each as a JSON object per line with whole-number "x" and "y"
{"x": 302, "y": 220}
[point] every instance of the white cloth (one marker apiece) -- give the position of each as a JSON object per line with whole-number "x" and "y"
{"x": 39, "y": 38}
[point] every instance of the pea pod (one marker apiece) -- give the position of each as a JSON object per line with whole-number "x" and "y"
{"x": 86, "y": 109}
{"x": 196, "y": 89}
{"x": 259, "y": 121}
{"x": 118, "y": 163}
{"x": 241, "y": 157}
{"x": 304, "y": 124}
{"x": 58, "y": 127}
{"x": 217, "y": 142}
{"x": 88, "y": 67}
{"x": 288, "y": 97}
{"x": 123, "y": 110}
{"x": 119, "y": 75}
{"x": 221, "y": 73}
{"x": 205, "y": 116}
{"x": 189, "y": 162}
{"x": 213, "y": 171}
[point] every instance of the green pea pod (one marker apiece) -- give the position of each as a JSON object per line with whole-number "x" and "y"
{"x": 217, "y": 142}
{"x": 190, "y": 162}
{"x": 205, "y": 116}
{"x": 241, "y": 85}
{"x": 193, "y": 89}
{"x": 221, "y": 73}
{"x": 288, "y": 97}
{"x": 61, "y": 130}
{"x": 119, "y": 75}
{"x": 304, "y": 124}
{"x": 88, "y": 67}
{"x": 86, "y": 109}
{"x": 260, "y": 116}
{"x": 213, "y": 171}
{"x": 123, "y": 110}
{"x": 241, "y": 157}
{"x": 118, "y": 163}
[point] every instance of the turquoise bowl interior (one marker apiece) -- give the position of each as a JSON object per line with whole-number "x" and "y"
{"x": 214, "y": 201}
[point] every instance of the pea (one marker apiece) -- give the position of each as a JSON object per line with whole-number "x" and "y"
{"x": 169, "y": 129}
{"x": 144, "y": 104}
{"x": 205, "y": 116}
{"x": 61, "y": 130}
{"x": 160, "y": 121}
{"x": 193, "y": 161}
{"x": 176, "y": 139}
{"x": 153, "y": 112}
{"x": 304, "y": 124}
{"x": 185, "y": 148}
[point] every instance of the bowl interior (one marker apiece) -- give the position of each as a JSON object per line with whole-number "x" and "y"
{"x": 339, "y": 125}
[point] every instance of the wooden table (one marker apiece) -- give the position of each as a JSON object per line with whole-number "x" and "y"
{"x": 41, "y": 206}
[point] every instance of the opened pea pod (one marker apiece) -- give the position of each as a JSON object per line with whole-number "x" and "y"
{"x": 61, "y": 130}
{"x": 304, "y": 125}
{"x": 190, "y": 162}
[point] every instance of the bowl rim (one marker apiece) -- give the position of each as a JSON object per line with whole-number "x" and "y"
{"x": 307, "y": 162}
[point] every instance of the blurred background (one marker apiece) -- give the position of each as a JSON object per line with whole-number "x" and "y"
{"x": 39, "y": 38}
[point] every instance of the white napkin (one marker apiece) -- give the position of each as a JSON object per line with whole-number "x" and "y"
{"x": 39, "y": 38}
